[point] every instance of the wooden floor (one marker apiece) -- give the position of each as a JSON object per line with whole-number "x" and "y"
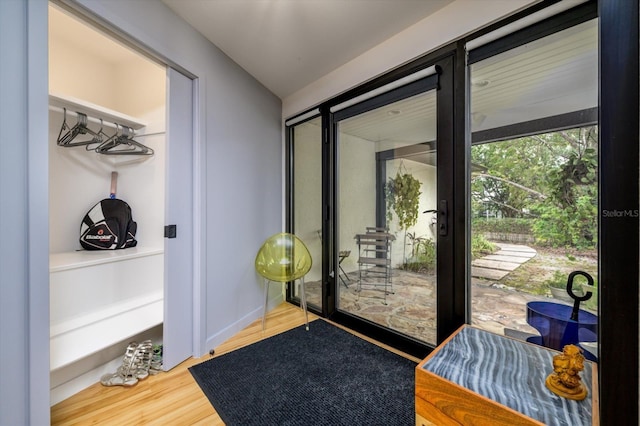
{"x": 171, "y": 398}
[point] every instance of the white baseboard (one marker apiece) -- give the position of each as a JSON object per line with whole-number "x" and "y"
{"x": 75, "y": 377}
{"x": 232, "y": 329}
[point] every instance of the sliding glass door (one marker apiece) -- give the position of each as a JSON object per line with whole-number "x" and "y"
{"x": 534, "y": 181}
{"x": 392, "y": 150}
{"x": 370, "y": 181}
{"x": 386, "y": 199}
{"x": 305, "y": 186}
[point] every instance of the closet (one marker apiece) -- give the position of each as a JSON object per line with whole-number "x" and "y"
{"x": 101, "y": 300}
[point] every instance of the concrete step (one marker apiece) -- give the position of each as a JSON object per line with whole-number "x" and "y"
{"x": 495, "y": 264}
{"x": 499, "y": 256}
{"x": 516, "y": 247}
{"x": 490, "y": 274}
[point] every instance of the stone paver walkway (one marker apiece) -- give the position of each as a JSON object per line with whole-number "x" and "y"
{"x": 497, "y": 265}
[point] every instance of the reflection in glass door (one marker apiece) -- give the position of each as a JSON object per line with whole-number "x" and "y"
{"x": 386, "y": 232}
{"x": 306, "y": 188}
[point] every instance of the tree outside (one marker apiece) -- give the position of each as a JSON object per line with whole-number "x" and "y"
{"x": 540, "y": 190}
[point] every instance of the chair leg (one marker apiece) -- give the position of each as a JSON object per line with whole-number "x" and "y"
{"x": 266, "y": 300}
{"x": 344, "y": 273}
{"x": 342, "y": 281}
{"x": 303, "y": 301}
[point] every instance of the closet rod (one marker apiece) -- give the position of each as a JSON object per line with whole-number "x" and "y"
{"x": 111, "y": 124}
{"x": 74, "y": 114}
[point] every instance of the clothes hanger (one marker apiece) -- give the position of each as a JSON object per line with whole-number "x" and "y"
{"x": 80, "y": 128}
{"x": 122, "y": 143}
{"x": 113, "y": 141}
{"x": 99, "y": 139}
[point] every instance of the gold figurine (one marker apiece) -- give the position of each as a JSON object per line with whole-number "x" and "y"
{"x": 565, "y": 380}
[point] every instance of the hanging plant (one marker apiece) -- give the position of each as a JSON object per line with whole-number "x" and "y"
{"x": 403, "y": 197}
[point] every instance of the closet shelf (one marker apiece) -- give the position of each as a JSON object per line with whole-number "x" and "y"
{"x": 93, "y": 110}
{"x": 85, "y": 258}
{"x": 76, "y": 338}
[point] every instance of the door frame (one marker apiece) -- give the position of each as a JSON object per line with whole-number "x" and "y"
{"x": 448, "y": 320}
{"x": 451, "y": 312}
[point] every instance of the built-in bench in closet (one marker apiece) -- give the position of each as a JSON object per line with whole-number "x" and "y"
{"x": 101, "y": 300}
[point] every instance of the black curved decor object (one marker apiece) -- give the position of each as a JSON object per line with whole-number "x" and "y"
{"x": 577, "y": 299}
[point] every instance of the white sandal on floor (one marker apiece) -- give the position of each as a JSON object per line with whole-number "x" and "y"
{"x": 125, "y": 375}
{"x": 143, "y": 359}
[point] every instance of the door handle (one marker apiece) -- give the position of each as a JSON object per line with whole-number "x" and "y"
{"x": 170, "y": 231}
{"x": 443, "y": 228}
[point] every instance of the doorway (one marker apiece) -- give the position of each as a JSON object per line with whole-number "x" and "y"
{"x": 369, "y": 196}
{"x": 386, "y": 220}
{"x": 102, "y": 300}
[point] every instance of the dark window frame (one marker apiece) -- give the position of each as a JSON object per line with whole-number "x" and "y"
{"x": 555, "y": 123}
{"x": 548, "y": 26}
{"x": 619, "y": 176}
{"x": 289, "y": 185}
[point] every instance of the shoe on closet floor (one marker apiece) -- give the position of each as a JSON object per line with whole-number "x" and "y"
{"x": 126, "y": 374}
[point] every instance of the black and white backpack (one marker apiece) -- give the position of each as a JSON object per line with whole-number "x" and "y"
{"x": 108, "y": 226}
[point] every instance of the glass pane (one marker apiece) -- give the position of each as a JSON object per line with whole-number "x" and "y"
{"x": 534, "y": 199}
{"x": 386, "y": 243}
{"x": 548, "y": 77}
{"x": 307, "y": 208}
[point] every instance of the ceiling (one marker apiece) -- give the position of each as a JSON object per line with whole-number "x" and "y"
{"x": 288, "y": 44}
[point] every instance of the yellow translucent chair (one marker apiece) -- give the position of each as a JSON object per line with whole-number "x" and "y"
{"x": 283, "y": 258}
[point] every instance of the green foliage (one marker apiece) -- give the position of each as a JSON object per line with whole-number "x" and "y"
{"x": 579, "y": 170}
{"x": 423, "y": 258}
{"x": 592, "y": 303}
{"x": 559, "y": 226}
{"x": 510, "y": 225}
{"x": 403, "y": 197}
{"x": 548, "y": 178}
{"x": 559, "y": 280}
{"x": 423, "y": 252}
{"x": 480, "y": 246}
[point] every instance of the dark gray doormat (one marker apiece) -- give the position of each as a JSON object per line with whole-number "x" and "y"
{"x": 324, "y": 376}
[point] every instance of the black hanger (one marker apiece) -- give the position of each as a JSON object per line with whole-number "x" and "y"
{"x": 70, "y": 133}
{"x": 122, "y": 143}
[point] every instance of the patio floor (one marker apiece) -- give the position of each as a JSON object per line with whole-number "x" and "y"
{"x": 411, "y": 308}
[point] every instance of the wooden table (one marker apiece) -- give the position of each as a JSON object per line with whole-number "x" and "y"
{"x": 480, "y": 378}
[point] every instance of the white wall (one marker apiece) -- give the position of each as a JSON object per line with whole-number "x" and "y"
{"x": 453, "y": 21}
{"x": 356, "y": 194}
{"x": 426, "y": 174}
